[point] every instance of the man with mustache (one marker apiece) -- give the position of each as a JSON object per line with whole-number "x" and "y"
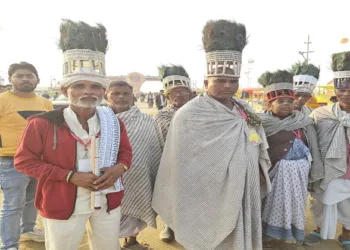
{"x": 176, "y": 83}
{"x": 330, "y": 201}
{"x": 304, "y": 83}
{"x": 208, "y": 184}
{"x": 18, "y": 215}
{"x": 78, "y": 153}
{"x": 147, "y": 145}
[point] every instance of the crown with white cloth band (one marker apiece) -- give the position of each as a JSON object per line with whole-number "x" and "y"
{"x": 224, "y": 63}
{"x": 84, "y": 49}
{"x": 304, "y": 83}
{"x": 224, "y": 41}
{"x": 174, "y": 76}
{"x": 305, "y": 77}
{"x": 277, "y": 84}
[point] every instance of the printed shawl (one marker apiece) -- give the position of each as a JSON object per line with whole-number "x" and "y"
{"x": 108, "y": 146}
{"x": 207, "y": 189}
{"x": 163, "y": 119}
{"x": 332, "y": 128}
{"x": 297, "y": 120}
{"x": 147, "y": 144}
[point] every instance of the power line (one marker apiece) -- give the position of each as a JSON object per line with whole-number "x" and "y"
{"x": 307, "y": 52}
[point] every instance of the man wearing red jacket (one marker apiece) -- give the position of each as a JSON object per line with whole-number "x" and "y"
{"x": 58, "y": 149}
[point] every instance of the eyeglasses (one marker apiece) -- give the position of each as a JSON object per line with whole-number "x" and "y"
{"x": 181, "y": 92}
{"x": 28, "y": 76}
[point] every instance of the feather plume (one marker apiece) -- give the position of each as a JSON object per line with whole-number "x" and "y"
{"x": 224, "y": 35}
{"x": 171, "y": 70}
{"x": 341, "y": 61}
{"x": 305, "y": 69}
{"x": 80, "y": 35}
{"x": 275, "y": 77}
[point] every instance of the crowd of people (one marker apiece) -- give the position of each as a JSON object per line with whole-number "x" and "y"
{"x": 218, "y": 174}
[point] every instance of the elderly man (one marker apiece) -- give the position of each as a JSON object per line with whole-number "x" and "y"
{"x": 331, "y": 199}
{"x": 304, "y": 82}
{"x": 208, "y": 184}
{"x": 147, "y": 145}
{"x": 79, "y": 153}
{"x": 176, "y": 82}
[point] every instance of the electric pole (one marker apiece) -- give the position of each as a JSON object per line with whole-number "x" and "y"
{"x": 307, "y": 52}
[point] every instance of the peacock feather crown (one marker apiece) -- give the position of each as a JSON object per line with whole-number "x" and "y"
{"x": 223, "y": 42}
{"x": 84, "y": 48}
{"x": 173, "y": 76}
{"x": 305, "y": 77}
{"x": 341, "y": 70}
{"x": 278, "y": 84}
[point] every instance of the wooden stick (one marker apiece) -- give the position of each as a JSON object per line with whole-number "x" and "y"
{"x": 93, "y": 167}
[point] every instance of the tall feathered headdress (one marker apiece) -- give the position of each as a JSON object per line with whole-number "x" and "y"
{"x": 224, "y": 41}
{"x": 173, "y": 76}
{"x": 84, "y": 49}
{"x": 278, "y": 84}
{"x": 305, "y": 77}
{"x": 341, "y": 70}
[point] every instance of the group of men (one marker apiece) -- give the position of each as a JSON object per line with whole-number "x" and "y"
{"x": 201, "y": 165}
{"x": 53, "y": 160}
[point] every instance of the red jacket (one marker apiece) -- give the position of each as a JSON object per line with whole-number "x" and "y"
{"x": 47, "y": 152}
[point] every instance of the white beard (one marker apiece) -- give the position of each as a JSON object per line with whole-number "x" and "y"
{"x": 81, "y": 104}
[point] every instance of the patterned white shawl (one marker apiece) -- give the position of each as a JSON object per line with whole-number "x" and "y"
{"x": 147, "y": 144}
{"x": 108, "y": 147}
{"x": 207, "y": 189}
{"x": 331, "y": 130}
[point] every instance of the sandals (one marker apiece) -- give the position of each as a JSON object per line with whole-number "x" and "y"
{"x": 312, "y": 239}
{"x": 134, "y": 245}
{"x": 345, "y": 243}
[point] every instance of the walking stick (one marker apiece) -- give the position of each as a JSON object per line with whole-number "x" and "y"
{"x": 95, "y": 196}
{"x": 93, "y": 167}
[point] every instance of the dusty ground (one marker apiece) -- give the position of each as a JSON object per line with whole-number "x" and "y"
{"x": 150, "y": 235}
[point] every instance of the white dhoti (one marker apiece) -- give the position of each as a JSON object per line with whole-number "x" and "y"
{"x": 102, "y": 231}
{"x": 331, "y": 207}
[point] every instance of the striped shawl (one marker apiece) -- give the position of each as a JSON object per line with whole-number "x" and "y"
{"x": 331, "y": 127}
{"x": 207, "y": 188}
{"x": 306, "y": 110}
{"x": 147, "y": 143}
{"x": 163, "y": 119}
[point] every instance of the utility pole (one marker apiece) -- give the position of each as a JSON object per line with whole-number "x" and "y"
{"x": 307, "y": 52}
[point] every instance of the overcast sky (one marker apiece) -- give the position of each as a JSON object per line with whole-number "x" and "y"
{"x": 144, "y": 34}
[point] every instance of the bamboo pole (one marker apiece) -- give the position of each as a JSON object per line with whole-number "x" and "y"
{"x": 93, "y": 167}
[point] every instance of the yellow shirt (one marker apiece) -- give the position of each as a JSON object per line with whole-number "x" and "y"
{"x": 14, "y": 112}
